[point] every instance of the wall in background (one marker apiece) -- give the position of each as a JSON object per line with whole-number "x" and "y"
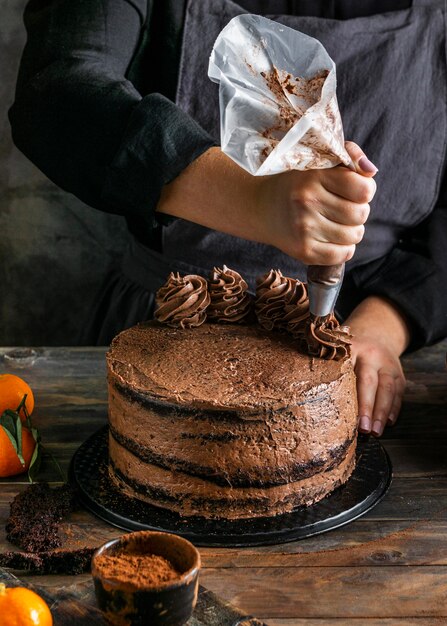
{"x": 54, "y": 250}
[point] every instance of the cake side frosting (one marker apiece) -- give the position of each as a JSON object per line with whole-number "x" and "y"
{"x": 232, "y": 407}
{"x": 189, "y": 495}
{"x": 226, "y": 450}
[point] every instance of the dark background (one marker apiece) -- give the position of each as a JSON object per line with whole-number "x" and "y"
{"x": 54, "y": 250}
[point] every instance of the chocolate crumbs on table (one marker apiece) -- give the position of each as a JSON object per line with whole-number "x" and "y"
{"x": 33, "y": 525}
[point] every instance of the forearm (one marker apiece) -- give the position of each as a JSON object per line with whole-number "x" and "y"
{"x": 214, "y": 191}
{"x": 380, "y": 320}
{"x": 413, "y": 279}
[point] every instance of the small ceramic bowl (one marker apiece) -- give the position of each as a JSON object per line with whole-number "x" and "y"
{"x": 170, "y": 603}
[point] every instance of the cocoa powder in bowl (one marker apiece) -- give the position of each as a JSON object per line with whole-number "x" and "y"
{"x": 146, "y": 577}
{"x": 141, "y": 570}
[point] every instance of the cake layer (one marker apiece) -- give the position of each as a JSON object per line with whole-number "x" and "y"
{"x": 214, "y": 366}
{"x": 221, "y": 446}
{"x": 188, "y": 495}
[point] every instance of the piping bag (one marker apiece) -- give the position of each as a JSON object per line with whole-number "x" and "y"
{"x": 279, "y": 112}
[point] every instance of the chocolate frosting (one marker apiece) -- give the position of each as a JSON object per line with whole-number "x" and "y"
{"x": 182, "y": 301}
{"x": 208, "y": 416}
{"x": 297, "y": 311}
{"x": 282, "y": 303}
{"x": 230, "y": 301}
{"x": 276, "y": 299}
{"x": 327, "y": 339}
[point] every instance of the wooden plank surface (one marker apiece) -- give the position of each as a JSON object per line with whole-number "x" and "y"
{"x": 387, "y": 568}
{"x": 75, "y": 605}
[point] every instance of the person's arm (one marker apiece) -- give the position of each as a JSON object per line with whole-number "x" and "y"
{"x": 85, "y": 125}
{"x": 82, "y": 122}
{"x": 315, "y": 216}
{"x": 404, "y": 308}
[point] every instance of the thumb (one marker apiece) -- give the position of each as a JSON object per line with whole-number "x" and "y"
{"x": 362, "y": 164}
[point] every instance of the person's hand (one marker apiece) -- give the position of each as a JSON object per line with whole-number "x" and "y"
{"x": 380, "y": 335}
{"x": 380, "y": 384}
{"x": 318, "y": 216}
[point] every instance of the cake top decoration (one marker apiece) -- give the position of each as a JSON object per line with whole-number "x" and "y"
{"x": 281, "y": 304}
{"x": 297, "y": 311}
{"x": 276, "y": 296}
{"x": 230, "y": 300}
{"x": 327, "y": 339}
{"x": 182, "y": 301}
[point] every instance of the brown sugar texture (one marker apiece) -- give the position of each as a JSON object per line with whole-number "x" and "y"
{"x": 141, "y": 570}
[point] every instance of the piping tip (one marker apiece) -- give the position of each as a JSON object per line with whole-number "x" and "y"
{"x": 323, "y": 284}
{"x": 322, "y": 299}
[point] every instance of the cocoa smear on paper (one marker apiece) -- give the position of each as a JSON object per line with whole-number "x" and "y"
{"x": 309, "y": 90}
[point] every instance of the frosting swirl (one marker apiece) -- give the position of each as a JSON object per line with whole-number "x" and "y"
{"x": 297, "y": 311}
{"x": 230, "y": 301}
{"x": 274, "y": 294}
{"x": 182, "y": 301}
{"x": 327, "y": 339}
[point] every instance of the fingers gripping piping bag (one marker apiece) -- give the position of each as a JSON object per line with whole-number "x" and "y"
{"x": 278, "y": 112}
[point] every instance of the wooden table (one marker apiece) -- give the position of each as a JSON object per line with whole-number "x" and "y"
{"x": 389, "y": 567}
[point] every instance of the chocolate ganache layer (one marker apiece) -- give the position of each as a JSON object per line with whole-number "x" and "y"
{"x": 227, "y": 420}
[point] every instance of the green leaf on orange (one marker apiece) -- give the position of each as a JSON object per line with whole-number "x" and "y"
{"x": 11, "y": 424}
{"x": 22, "y": 405}
{"x": 35, "y": 462}
{"x": 55, "y": 463}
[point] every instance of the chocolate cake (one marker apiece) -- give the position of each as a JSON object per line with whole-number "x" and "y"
{"x": 33, "y": 525}
{"x": 68, "y": 562}
{"x": 35, "y": 516}
{"x": 227, "y": 420}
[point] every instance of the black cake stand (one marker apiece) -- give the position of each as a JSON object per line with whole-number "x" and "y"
{"x": 365, "y": 488}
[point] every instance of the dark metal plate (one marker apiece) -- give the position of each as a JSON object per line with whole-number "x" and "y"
{"x": 366, "y": 487}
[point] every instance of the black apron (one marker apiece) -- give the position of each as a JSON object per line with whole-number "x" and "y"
{"x": 391, "y": 74}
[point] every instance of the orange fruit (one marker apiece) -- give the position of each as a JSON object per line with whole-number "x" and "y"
{"x": 12, "y": 390}
{"x": 22, "y": 607}
{"x": 10, "y": 464}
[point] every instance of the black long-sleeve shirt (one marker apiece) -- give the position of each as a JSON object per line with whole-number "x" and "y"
{"x": 95, "y": 111}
